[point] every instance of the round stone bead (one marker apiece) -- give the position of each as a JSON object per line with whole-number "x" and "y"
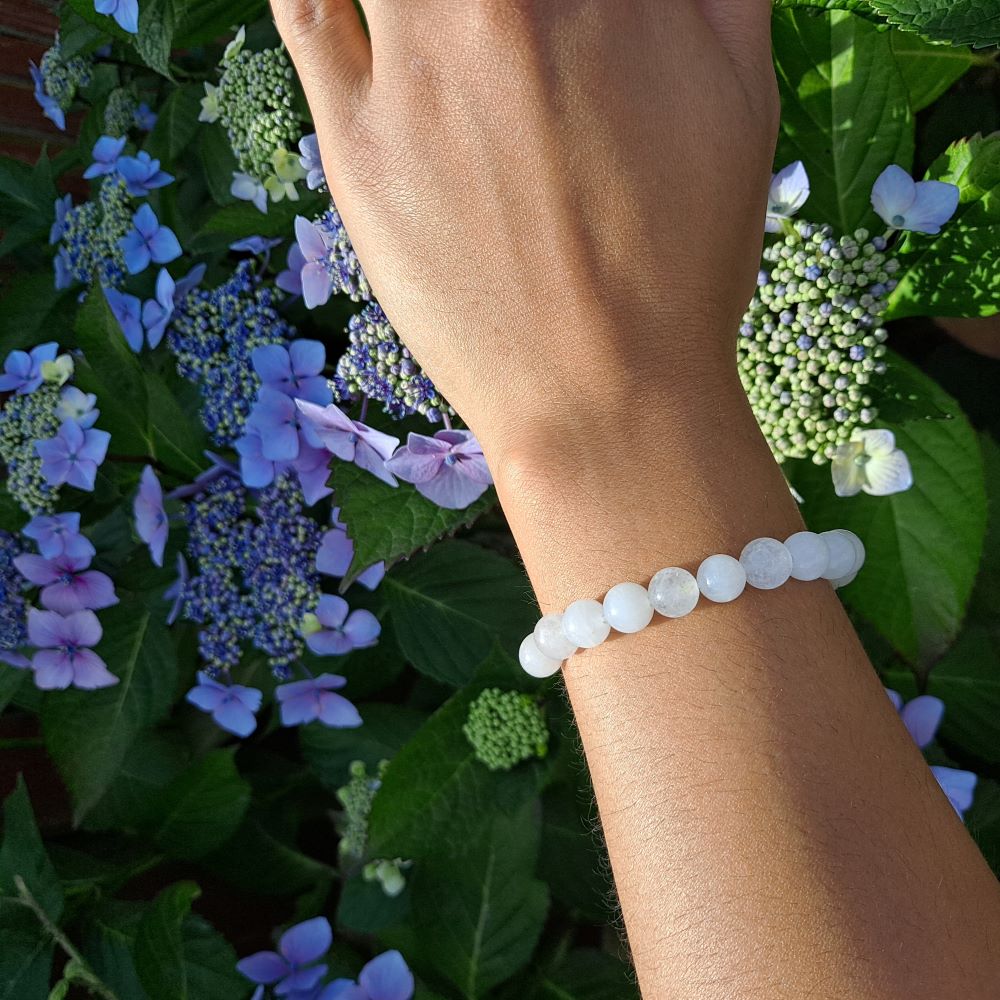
{"x": 627, "y": 607}
{"x": 810, "y": 555}
{"x": 534, "y": 661}
{"x": 584, "y": 623}
{"x": 859, "y": 549}
{"x": 674, "y": 592}
{"x": 721, "y": 578}
{"x": 551, "y": 640}
{"x": 766, "y": 562}
{"x": 842, "y": 554}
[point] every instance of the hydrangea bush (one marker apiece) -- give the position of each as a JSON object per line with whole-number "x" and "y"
{"x": 258, "y": 608}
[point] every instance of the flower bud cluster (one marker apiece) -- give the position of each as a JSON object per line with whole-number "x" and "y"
{"x": 13, "y": 611}
{"x": 64, "y": 77}
{"x": 25, "y": 419}
{"x": 505, "y": 728}
{"x": 89, "y": 250}
{"x": 811, "y": 343}
{"x": 119, "y": 112}
{"x": 356, "y": 797}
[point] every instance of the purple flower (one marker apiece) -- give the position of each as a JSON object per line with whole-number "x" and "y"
{"x": 336, "y": 553}
{"x": 344, "y": 630}
{"x": 311, "y": 162}
{"x": 125, "y": 12}
{"x": 449, "y": 468}
{"x": 147, "y": 241}
{"x": 13, "y": 659}
{"x": 175, "y": 592}
{"x": 150, "y": 517}
{"x": 350, "y": 440}
{"x": 788, "y": 193}
{"x": 55, "y": 534}
{"x": 314, "y": 275}
{"x": 314, "y": 699}
{"x": 386, "y": 977}
{"x": 290, "y": 280}
{"x": 291, "y": 965}
{"x": 156, "y": 312}
{"x": 22, "y": 371}
{"x": 64, "y": 206}
{"x": 142, "y": 174}
{"x": 62, "y": 269}
{"x": 127, "y": 309}
{"x": 255, "y": 244}
{"x": 919, "y": 206}
{"x": 313, "y": 469}
{"x": 106, "y": 151}
{"x": 219, "y": 467}
{"x": 959, "y": 786}
{"x": 144, "y": 117}
{"x": 73, "y": 455}
{"x": 49, "y": 105}
{"x": 232, "y": 706}
{"x": 297, "y": 370}
{"x": 64, "y": 655}
{"x": 276, "y": 418}
{"x": 256, "y": 469}
{"x": 79, "y": 406}
{"x": 68, "y": 583}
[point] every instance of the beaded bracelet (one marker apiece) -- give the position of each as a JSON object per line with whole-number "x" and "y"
{"x": 765, "y": 563}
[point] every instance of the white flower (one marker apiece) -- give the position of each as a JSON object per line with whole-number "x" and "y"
{"x": 287, "y": 170}
{"x": 209, "y": 104}
{"x": 246, "y": 188}
{"x": 234, "y": 48}
{"x": 870, "y": 461}
{"x": 787, "y": 194}
{"x": 920, "y": 206}
{"x": 60, "y": 371}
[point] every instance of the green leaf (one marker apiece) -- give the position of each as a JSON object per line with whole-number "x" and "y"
{"x": 928, "y": 68}
{"x": 957, "y": 273}
{"x": 155, "y": 37}
{"x": 178, "y": 438}
{"x": 30, "y": 310}
{"x": 107, "y": 24}
{"x": 89, "y": 733}
{"x": 587, "y": 974}
{"x": 203, "y": 21}
{"x": 176, "y": 123}
{"x": 11, "y": 681}
{"x": 983, "y": 821}
{"x": 203, "y": 807}
{"x": 481, "y": 910}
{"x": 108, "y": 938}
{"x": 232, "y": 222}
{"x": 845, "y": 110}
{"x": 386, "y": 524}
{"x": 960, "y": 22}
{"x": 210, "y": 963}
{"x": 217, "y": 163}
{"x": 159, "y": 944}
{"x": 450, "y": 606}
{"x": 923, "y": 544}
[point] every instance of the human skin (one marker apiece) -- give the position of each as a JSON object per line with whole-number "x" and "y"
{"x": 559, "y": 204}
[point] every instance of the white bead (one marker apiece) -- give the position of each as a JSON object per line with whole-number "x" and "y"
{"x": 859, "y": 549}
{"x": 551, "y": 640}
{"x": 843, "y": 581}
{"x": 627, "y": 607}
{"x": 584, "y": 623}
{"x": 766, "y": 562}
{"x": 842, "y": 554}
{"x": 721, "y": 578}
{"x": 810, "y": 555}
{"x": 534, "y": 661}
{"x": 674, "y": 592}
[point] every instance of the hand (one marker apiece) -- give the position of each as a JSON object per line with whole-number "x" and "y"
{"x": 559, "y": 204}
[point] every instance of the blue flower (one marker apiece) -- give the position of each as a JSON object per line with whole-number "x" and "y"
{"x": 127, "y": 309}
{"x": 22, "y": 370}
{"x": 277, "y": 419}
{"x": 386, "y": 977}
{"x": 55, "y": 534}
{"x": 311, "y": 162}
{"x": 335, "y": 630}
{"x": 919, "y": 206}
{"x": 68, "y": 584}
{"x": 144, "y": 117}
{"x": 296, "y": 370}
{"x": 64, "y": 656}
{"x": 156, "y": 312}
{"x": 73, "y": 455}
{"x": 106, "y": 151}
{"x": 314, "y": 700}
{"x": 78, "y": 406}
{"x": 63, "y": 206}
{"x": 232, "y": 706}
{"x": 449, "y": 469}
{"x": 246, "y": 188}
{"x": 147, "y": 241}
{"x": 255, "y": 244}
{"x": 350, "y": 440}
{"x": 176, "y": 591}
{"x": 150, "y": 517}
{"x": 291, "y": 966}
{"x": 49, "y": 105}
{"x": 142, "y": 174}
{"x": 125, "y": 12}
{"x": 336, "y": 553}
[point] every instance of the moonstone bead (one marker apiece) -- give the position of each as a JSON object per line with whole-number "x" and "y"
{"x": 584, "y": 623}
{"x": 721, "y": 578}
{"x": 534, "y": 661}
{"x": 859, "y": 559}
{"x": 810, "y": 555}
{"x": 674, "y": 592}
{"x": 551, "y": 640}
{"x": 627, "y": 607}
{"x": 843, "y": 554}
{"x": 766, "y": 562}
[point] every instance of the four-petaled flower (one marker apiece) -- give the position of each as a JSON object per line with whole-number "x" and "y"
{"x": 147, "y": 241}
{"x": 311, "y": 162}
{"x": 79, "y": 406}
{"x": 291, "y": 966}
{"x": 125, "y": 12}
{"x": 106, "y": 151}
{"x": 142, "y": 174}
{"x": 156, "y": 312}
{"x": 314, "y": 700}
{"x": 350, "y": 440}
{"x": 788, "y": 193}
{"x": 232, "y": 706}
{"x": 315, "y": 279}
{"x": 73, "y": 455}
{"x": 22, "y": 371}
{"x": 49, "y": 105}
{"x": 64, "y": 656}
{"x": 260, "y": 245}
{"x": 448, "y": 468}
{"x": 247, "y": 188}
{"x": 127, "y": 309}
{"x": 150, "y": 517}
{"x": 55, "y": 534}
{"x": 296, "y": 370}
{"x": 278, "y": 421}
{"x": 335, "y": 630}
{"x": 287, "y": 170}
{"x": 386, "y": 977}
{"x": 144, "y": 117}
{"x": 68, "y": 584}
{"x": 336, "y": 553}
{"x": 209, "y": 104}
{"x": 870, "y": 461}
{"x": 919, "y": 206}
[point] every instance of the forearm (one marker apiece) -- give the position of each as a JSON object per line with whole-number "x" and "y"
{"x": 772, "y": 828}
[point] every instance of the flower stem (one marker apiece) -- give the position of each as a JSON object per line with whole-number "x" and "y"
{"x": 364, "y": 410}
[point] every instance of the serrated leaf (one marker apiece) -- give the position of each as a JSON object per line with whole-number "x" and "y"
{"x": 960, "y": 22}
{"x": 845, "y": 110}
{"x": 957, "y": 273}
{"x": 159, "y": 944}
{"x": 923, "y": 544}
{"x": 176, "y": 123}
{"x": 388, "y": 524}
{"x": 88, "y": 733}
{"x": 155, "y": 37}
{"x": 30, "y": 310}
{"x": 203, "y": 21}
{"x": 450, "y": 606}
{"x": 860, "y": 7}
{"x": 108, "y": 938}
{"x": 233, "y": 222}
